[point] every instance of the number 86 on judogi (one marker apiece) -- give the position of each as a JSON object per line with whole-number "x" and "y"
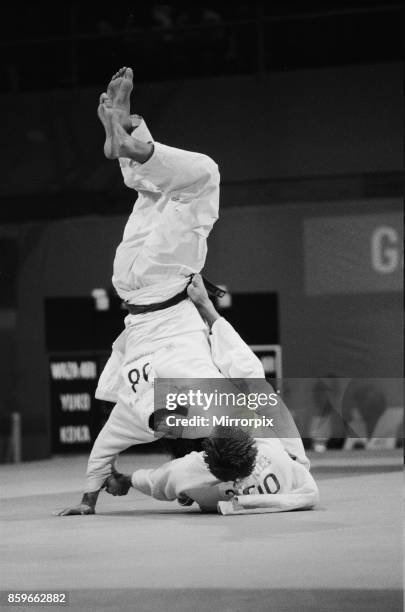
{"x": 139, "y": 375}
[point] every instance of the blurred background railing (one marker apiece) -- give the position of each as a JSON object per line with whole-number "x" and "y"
{"x": 82, "y": 42}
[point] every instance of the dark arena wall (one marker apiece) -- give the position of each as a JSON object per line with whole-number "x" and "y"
{"x": 336, "y": 123}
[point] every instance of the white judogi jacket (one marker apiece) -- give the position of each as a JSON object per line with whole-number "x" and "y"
{"x": 277, "y": 484}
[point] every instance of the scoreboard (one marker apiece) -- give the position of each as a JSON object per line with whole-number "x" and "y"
{"x": 75, "y": 420}
{"x": 77, "y": 417}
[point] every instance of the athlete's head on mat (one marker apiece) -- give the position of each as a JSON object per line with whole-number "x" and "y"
{"x": 230, "y": 453}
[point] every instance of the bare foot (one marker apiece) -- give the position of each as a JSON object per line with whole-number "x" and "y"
{"x": 118, "y": 143}
{"x": 117, "y": 140}
{"x": 119, "y": 92}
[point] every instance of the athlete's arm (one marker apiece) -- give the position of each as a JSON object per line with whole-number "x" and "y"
{"x": 158, "y": 483}
{"x": 230, "y": 353}
{"x": 172, "y": 479}
{"x": 199, "y": 296}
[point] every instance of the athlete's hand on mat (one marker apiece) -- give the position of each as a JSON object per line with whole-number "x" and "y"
{"x": 118, "y": 484}
{"x": 197, "y": 292}
{"x": 75, "y": 510}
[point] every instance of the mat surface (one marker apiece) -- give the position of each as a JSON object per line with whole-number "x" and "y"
{"x": 144, "y": 555}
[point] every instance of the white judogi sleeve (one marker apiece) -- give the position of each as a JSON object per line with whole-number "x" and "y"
{"x": 187, "y": 477}
{"x": 232, "y": 356}
{"x": 304, "y": 497}
{"x": 174, "y": 478}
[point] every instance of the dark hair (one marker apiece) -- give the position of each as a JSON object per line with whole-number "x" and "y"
{"x": 230, "y": 453}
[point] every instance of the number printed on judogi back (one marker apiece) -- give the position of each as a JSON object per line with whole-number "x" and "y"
{"x": 139, "y": 375}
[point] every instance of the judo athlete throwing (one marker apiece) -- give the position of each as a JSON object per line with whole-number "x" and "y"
{"x": 164, "y": 244}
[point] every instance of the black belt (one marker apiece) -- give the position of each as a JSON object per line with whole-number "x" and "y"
{"x": 142, "y": 308}
{"x": 212, "y": 289}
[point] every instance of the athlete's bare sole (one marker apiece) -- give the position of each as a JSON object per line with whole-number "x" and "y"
{"x": 118, "y": 143}
{"x": 119, "y": 93}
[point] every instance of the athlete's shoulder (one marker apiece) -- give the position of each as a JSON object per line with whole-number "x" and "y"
{"x": 269, "y": 444}
{"x": 191, "y": 461}
{"x": 273, "y": 450}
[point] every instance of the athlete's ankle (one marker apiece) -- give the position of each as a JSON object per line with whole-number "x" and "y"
{"x": 137, "y": 150}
